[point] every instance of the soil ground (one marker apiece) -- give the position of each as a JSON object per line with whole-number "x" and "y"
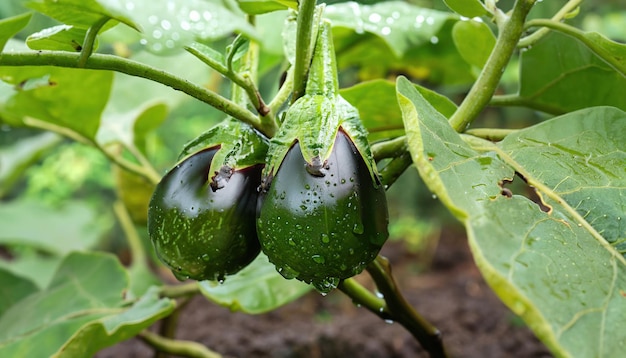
{"x": 451, "y": 294}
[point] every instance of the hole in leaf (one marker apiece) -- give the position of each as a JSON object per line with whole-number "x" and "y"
{"x": 519, "y": 186}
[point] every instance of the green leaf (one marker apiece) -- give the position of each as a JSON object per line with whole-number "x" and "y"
{"x": 80, "y": 312}
{"x": 255, "y": 7}
{"x": 474, "y": 41}
{"x": 61, "y": 38}
{"x": 74, "y": 226}
{"x": 13, "y": 289}
{"x": 132, "y": 127}
{"x": 559, "y": 74}
{"x": 167, "y": 26}
{"x": 12, "y": 25}
{"x": 555, "y": 269}
{"x": 467, "y": 8}
{"x": 258, "y": 288}
{"x": 34, "y": 266}
{"x": 17, "y": 158}
{"x": 436, "y": 61}
{"x": 378, "y": 107}
{"x": 80, "y": 13}
{"x": 399, "y": 24}
{"x": 66, "y": 98}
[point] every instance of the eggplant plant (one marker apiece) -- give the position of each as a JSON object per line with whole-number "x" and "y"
{"x": 294, "y": 134}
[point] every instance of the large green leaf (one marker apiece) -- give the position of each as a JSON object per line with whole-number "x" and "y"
{"x": 256, "y": 7}
{"x": 68, "y": 98}
{"x": 256, "y": 289}
{"x": 560, "y": 74}
{"x": 166, "y": 25}
{"x": 399, "y": 24}
{"x": 378, "y": 107}
{"x": 80, "y": 13}
{"x": 560, "y": 269}
{"x": 74, "y": 226}
{"x": 436, "y": 61}
{"x": 13, "y": 289}
{"x": 10, "y": 26}
{"x": 38, "y": 267}
{"x": 467, "y": 8}
{"x": 82, "y": 310}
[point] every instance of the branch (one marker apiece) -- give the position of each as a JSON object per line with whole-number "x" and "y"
{"x": 392, "y": 171}
{"x": 304, "y": 50}
{"x": 183, "y": 290}
{"x": 491, "y": 134}
{"x": 363, "y": 297}
{"x": 402, "y": 312}
{"x": 390, "y": 148}
{"x": 138, "y": 254}
{"x": 132, "y": 68}
{"x": 487, "y": 82}
{"x": 567, "y": 9}
{"x": 177, "y": 347}
{"x": 90, "y": 39}
{"x": 514, "y": 100}
{"x": 145, "y": 172}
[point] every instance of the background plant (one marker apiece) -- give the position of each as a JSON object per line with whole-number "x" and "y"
{"x": 84, "y": 82}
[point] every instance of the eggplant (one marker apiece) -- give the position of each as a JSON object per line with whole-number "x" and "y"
{"x": 201, "y": 218}
{"x": 326, "y": 225}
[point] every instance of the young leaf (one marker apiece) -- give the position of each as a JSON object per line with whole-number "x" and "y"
{"x": 61, "y": 38}
{"x": 474, "y": 40}
{"x": 10, "y": 26}
{"x": 256, "y": 289}
{"x": 76, "y": 315}
{"x": 554, "y": 264}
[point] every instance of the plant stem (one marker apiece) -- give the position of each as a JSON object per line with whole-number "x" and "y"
{"x": 133, "y": 68}
{"x": 491, "y": 134}
{"x": 402, "y": 312}
{"x": 363, "y": 297}
{"x": 147, "y": 173}
{"x": 90, "y": 40}
{"x": 304, "y": 50}
{"x": 183, "y": 290}
{"x": 392, "y": 171}
{"x": 177, "y": 347}
{"x": 137, "y": 252}
{"x": 283, "y": 93}
{"x": 487, "y": 82}
{"x": 513, "y": 100}
{"x": 390, "y": 148}
{"x": 531, "y": 39}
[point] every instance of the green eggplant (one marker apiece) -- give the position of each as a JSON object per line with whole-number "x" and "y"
{"x": 201, "y": 218}
{"x": 323, "y": 213}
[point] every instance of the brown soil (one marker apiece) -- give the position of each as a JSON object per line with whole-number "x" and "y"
{"x": 451, "y": 294}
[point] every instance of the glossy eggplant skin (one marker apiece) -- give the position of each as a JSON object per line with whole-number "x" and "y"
{"x": 321, "y": 227}
{"x": 203, "y": 233}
